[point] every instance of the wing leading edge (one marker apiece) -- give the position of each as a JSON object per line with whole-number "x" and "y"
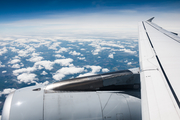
{"x": 160, "y": 72}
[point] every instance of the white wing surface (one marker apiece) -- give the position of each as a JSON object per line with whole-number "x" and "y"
{"x": 159, "y": 54}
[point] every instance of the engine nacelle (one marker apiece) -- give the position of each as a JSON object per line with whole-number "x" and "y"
{"x": 33, "y": 103}
{"x": 84, "y": 98}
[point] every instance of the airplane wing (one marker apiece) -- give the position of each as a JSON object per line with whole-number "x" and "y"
{"x": 159, "y": 54}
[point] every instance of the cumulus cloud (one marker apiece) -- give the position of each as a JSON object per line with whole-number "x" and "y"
{"x": 62, "y": 50}
{"x": 30, "y": 49}
{"x": 26, "y": 52}
{"x": 81, "y": 58}
{"x": 14, "y": 61}
{"x": 86, "y": 74}
{"x": 111, "y": 55}
{"x": 64, "y": 62}
{"x": 129, "y": 63}
{"x": 35, "y": 59}
{"x": 126, "y": 61}
{"x": 13, "y": 49}
{"x": 1, "y": 64}
{"x": 99, "y": 49}
{"x": 27, "y": 78}
{"x": 44, "y": 73}
{"x": 3, "y": 43}
{"x": 7, "y": 91}
{"x": 104, "y": 45}
{"x": 105, "y": 70}
{"x": 94, "y": 69}
{"x": 4, "y": 71}
{"x": 16, "y": 66}
{"x": 74, "y": 53}
{"x": 24, "y": 70}
{"x": 23, "y": 53}
{"x": 61, "y": 73}
{"x": 54, "y": 46}
{"x": 59, "y": 56}
{"x": 83, "y": 49}
{"x": 48, "y": 65}
{"x": 3, "y": 50}
{"x": 128, "y": 51}
{"x": 35, "y": 54}
{"x": 110, "y": 43}
{"x": 44, "y": 83}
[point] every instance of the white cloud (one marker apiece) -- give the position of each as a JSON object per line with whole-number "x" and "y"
{"x": 54, "y": 46}
{"x": 4, "y": 71}
{"x": 7, "y": 91}
{"x": 35, "y": 54}
{"x": 27, "y": 78}
{"x": 98, "y": 48}
{"x": 105, "y": 70}
{"x": 110, "y": 43}
{"x": 44, "y": 73}
{"x": 44, "y": 83}
{"x": 61, "y": 73}
{"x": 59, "y": 56}
{"x": 111, "y": 55}
{"x": 3, "y": 50}
{"x": 16, "y": 66}
{"x": 64, "y": 62}
{"x": 16, "y": 57}
{"x": 94, "y": 69}
{"x": 26, "y": 52}
{"x": 83, "y": 49}
{"x": 23, "y": 53}
{"x": 1, "y": 64}
{"x": 126, "y": 61}
{"x": 74, "y": 53}
{"x": 30, "y": 49}
{"x": 13, "y": 49}
{"x": 102, "y": 45}
{"x": 3, "y": 43}
{"x": 81, "y": 58}
{"x": 35, "y": 59}
{"x": 62, "y": 50}
{"x": 129, "y": 63}
{"x": 128, "y": 51}
{"x": 14, "y": 61}
{"x": 24, "y": 70}
{"x": 48, "y": 65}
{"x": 86, "y": 74}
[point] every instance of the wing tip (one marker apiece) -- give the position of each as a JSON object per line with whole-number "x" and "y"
{"x": 150, "y": 20}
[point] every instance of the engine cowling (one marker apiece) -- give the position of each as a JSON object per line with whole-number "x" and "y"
{"x": 112, "y": 96}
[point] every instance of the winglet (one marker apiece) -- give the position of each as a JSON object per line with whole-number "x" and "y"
{"x": 150, "y": 20}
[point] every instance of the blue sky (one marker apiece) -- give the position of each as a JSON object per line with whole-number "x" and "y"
{"x": 22, "y": 9}
{"x": 85, "y": 16}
